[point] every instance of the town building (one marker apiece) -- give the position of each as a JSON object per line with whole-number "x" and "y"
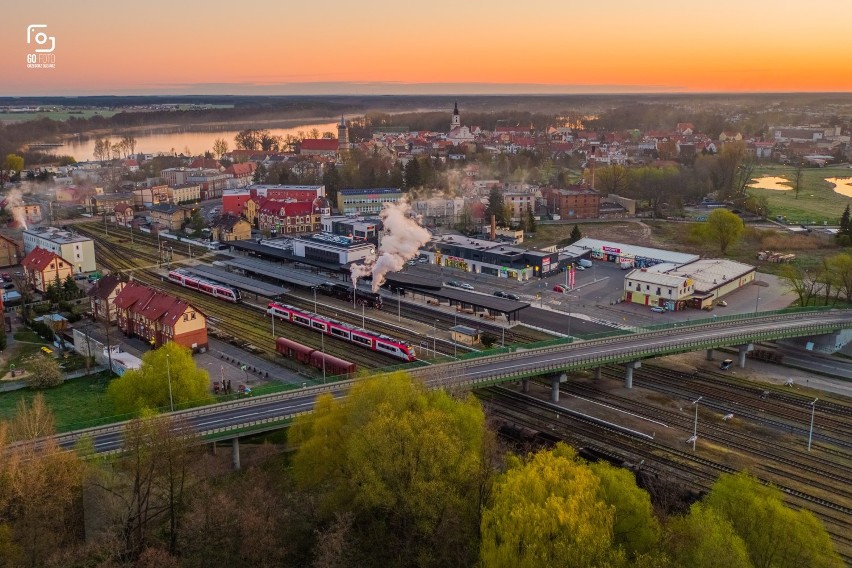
{"x": 357, "y": 228}
{"x": 124, "y": 214}
{"x": 242, "y": 173}
{"x": 328, "y": 147}
{"x": 285, "y": 218}
{"x": 575, "y": 202}
{"x": 365, "y": 201}
{"x": 102, "y": 296}
{"x": 481, "y": 256}
{"x": 10, "y": 252}
{"x": 148, "y": 196}
{"x": 43, "y": 268}
{"x": 184, "y": 193}
{"x": 230, "y": 228}
{"x": 333, "y": 250}
{"x": 439, "y": 211}
{"x": 635, "y": 256}
{"x": 158, "y": 318}
{"x": 235, "y": 201}
{"x": 213, "y": 182}
{"x": 169, "y": 216}
{"x": 521, "y": 203}
{"x": 30, "y": 213}
{"x": 77, "y": 250}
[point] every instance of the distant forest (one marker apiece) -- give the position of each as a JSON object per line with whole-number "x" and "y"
{"x": 748, "y": 113}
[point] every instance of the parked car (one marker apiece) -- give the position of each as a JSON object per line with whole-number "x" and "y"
{"x": 510, "y": 296}
{"x": 560, "y": 288}
{"x": 580, "y": 268}
{"x": 452, "y": 284}
{"x": 500, "y": 293}
{"x": 658, "y": 309}
{"x": 80, "y": 277}
{"x": 9, "y": 286}
{"x": 411, "y": 263}
{"x": 726, "y": 364}
{"x": 722, "y": 303}
{"x": 466, "y": 286}
{"x": 6, "y": 277}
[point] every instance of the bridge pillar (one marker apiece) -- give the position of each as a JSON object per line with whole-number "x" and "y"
{"x": 554, "y": 385}
{"x": 235, "y": 453}
{"x": 742, "y": 350}
{"x": 709, "y": 354}
{"x": 598, "y": 373}
{"x": 628, "y": 374}
{"x": 525, "y": 386}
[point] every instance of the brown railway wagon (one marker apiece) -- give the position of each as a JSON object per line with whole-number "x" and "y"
{"x": 294, "y": 350}
{"x": 333, "y": 365}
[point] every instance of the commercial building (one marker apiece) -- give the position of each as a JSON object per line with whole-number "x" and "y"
{"x": 697, "y": 284}
{"x": 158, "y": 317}
{"x": 332, "y": 249}
{"x": 365, "y": 201}
{"x": 636, "y": 256}
{"x": 75, "y": 249}
{"x": 357, "y": 228}
{"x": 489, "y": 257}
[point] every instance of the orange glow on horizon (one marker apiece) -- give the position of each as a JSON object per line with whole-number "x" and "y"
{"x": 619, "y": 46}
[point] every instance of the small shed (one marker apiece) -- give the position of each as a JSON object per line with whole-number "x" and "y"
{"x": 465, "y": 335}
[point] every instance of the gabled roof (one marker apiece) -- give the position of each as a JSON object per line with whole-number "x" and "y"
{"x": 103, "y": 287}
{"x": 39, "y": 259}
{"x": 291, "y": 208}
{"x": 324, "y": 144}
{"x": 121, "y": 207}
{"x": 152, "y": 304}
{"x": 241, "y": 169}
{"x": 227, "y": 221}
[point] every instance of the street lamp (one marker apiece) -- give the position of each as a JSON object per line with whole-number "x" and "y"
{"x": 322, "y": 348}
{"x": 811, "y": 432}
{"x": 757, "y": 301}
{"x": 695, "y": 428}
{"x": 398, "y": 305}
{"x": 315, "y": 299}
{"x": 169, "y": 374}
{"x": 435, "y": 340}
{"x": 363, "y": 318}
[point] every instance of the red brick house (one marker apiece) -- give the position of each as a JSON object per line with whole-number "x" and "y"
{"x": 574, "y": 202}
{"x": 158, "y": 317}
{"x": 43, "y": 267}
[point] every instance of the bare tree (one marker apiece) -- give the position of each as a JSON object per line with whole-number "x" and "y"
{"x": 220, "y": 148}
{"x": 797, "y": 178}
{"x": 129, "y": 143}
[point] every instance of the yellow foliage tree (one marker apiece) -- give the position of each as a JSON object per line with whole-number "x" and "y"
{"x": 705, "y": 539}
{"x": 407, "y": 462}
{"x": 167, "y": 374}
{"x": 547, "y": 513}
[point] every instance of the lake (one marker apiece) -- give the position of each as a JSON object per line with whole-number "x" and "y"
{"x": 177, "y": 139}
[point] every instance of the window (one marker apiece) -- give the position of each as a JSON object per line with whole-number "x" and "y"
{"x": 185, "y": 317}
{"x": 192, "y": 315}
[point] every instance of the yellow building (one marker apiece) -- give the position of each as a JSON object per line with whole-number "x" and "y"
{"x": 231, "y": 228}
{"x": 185, "y": 193}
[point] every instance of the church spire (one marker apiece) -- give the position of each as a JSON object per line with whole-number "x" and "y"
{"x": 456, "y": 121}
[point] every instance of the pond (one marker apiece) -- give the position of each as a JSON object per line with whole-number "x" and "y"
{"x": 843, "y": 186}
{"x": 770, "y": 182}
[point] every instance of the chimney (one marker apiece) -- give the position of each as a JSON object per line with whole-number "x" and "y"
{"x": 493, "y": 227}
{"x": 592, "y": 170}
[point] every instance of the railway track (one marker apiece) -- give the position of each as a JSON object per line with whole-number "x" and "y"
{"x": 250, "y": 325}
{"x": 694, "y": 470}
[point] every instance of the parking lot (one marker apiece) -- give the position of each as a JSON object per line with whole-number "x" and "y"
{"x": 598, "y": 290}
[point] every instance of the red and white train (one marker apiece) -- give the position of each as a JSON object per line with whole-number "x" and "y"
{"x": 344, "y": 331}
{"x": 215, "y": 289}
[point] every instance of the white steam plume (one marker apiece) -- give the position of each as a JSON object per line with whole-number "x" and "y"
{"x": 403, "y": 241}
{"x": 16, "y": 199}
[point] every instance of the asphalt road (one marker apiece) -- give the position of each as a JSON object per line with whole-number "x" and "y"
{"x": 236, "y": 414}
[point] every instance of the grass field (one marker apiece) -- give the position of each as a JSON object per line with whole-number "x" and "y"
{"x": 75, "y": 404}
{"x": 817, "y": 200}
{"x": 53, "y": 115}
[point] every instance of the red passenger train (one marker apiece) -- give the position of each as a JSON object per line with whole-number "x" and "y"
{"x": 344, "y": 331}
{"x": 215, "y": 289}
{"x": 314, "y": 357}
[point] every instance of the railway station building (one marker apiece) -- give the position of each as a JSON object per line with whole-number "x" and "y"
{"x": 332, "y": 249}
{"x": 494, "y": 258}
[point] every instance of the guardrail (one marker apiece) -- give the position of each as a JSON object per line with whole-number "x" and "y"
{"x": 463, "y": 372}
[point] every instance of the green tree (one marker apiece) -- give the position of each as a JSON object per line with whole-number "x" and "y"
{"x": 196, "y": 222}
{"x": 705, "y": 539}
{"x": 576, "y": 235}
{"x": 775, "y": 535}
{"x": 845, "y": 224}
{"x": 722, "y": 228}
{"x": 43, "y": 372}
{"x": 635, "y": 527}
{"x": 12, "y": 165}
{"x": 412, "y": 174}
{"x": 407, "y": 462}
{"x": 496, "y": 207}
{"x": 247, "y": 140}
{"x": 69, "y": 288}
{"x": 167, "y": 369}
{"x": 546, "y": 512}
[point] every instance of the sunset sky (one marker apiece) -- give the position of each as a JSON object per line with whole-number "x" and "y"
{"x": 463, "y": 46}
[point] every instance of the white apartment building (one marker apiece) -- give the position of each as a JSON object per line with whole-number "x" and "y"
{"x": 77, "y": 250}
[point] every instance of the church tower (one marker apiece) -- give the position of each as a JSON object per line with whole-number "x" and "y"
{"x": 456, "y": 122}
{"x": 342, "y": 136}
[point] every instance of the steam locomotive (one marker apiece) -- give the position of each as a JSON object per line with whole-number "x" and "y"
{"x": 344, "y": 292}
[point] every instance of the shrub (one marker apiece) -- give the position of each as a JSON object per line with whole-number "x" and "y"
{"x": 44, "y": 372}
